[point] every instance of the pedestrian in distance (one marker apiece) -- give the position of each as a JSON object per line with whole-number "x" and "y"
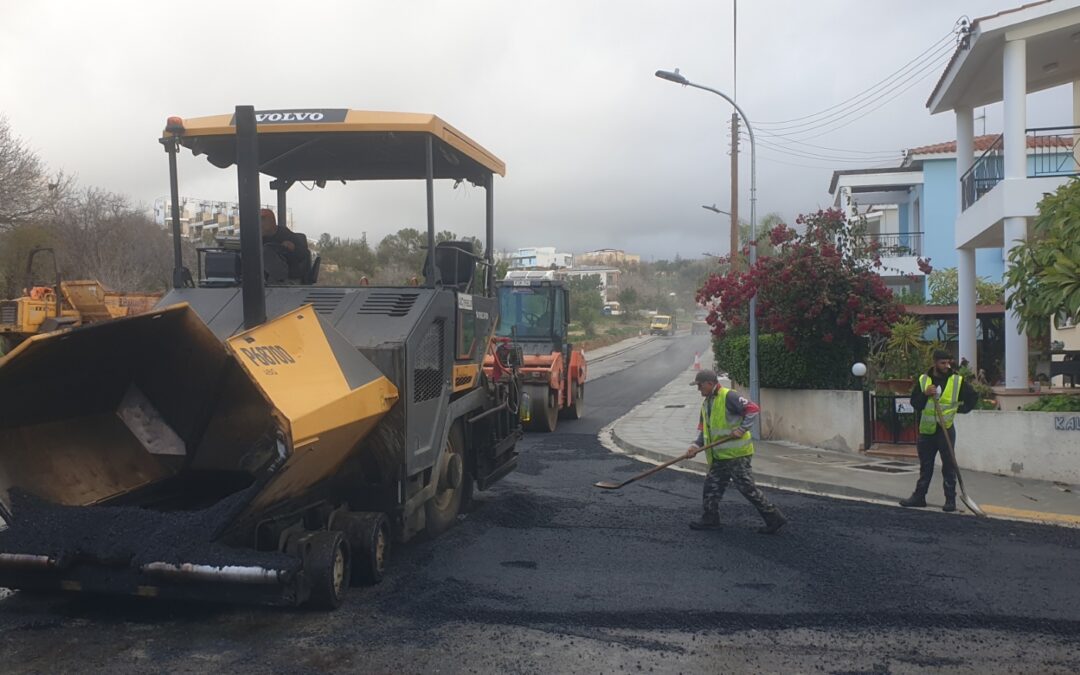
{"x": 954, "y": 395}
{"x": 725, "y": 412}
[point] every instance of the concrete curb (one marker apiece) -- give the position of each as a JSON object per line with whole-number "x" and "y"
{"x": 775, "y": 482}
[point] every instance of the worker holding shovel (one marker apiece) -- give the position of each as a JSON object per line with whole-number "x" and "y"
{"x": 937, "y": 396}
{"x": 727, "y": 416}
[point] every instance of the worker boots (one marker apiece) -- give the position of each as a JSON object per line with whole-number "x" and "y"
{"x": 950, "y": 505}
{"x": 708, "y": 521}
{"x": 917, "y": 499}
{"x": 774, "y": 520}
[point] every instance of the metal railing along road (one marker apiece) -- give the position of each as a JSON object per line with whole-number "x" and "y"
{"x": 1054, "y": 151}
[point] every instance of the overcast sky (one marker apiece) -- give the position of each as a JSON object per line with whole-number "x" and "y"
{"x": 599, "y": 152}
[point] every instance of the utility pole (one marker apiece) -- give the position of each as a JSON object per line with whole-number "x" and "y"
{"x": 734, "y": 190}
{"x": 734, "y": 136}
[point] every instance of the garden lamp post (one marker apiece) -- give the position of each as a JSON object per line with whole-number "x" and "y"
{"x": 755, "y": 387}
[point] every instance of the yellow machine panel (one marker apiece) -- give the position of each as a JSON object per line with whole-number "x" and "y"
{"x": 326, "y": 394}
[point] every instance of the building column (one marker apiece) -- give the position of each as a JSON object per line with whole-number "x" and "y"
{"x": 1016, "y": 344}
{"x": 846, "y": 204}
{"x": 1014, "y": 90}
{"x": 965, "y": 276}
{"x": 965, "y": 257}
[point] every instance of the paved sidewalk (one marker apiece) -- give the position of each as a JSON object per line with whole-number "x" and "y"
{"x": 663, "y": 426}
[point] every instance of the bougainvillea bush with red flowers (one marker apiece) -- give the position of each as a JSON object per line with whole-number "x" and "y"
{"x": 820, "y": 292}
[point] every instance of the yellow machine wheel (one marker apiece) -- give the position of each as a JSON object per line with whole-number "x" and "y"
{"x": 328, "y": 565}
{"x": 369, "y": 543}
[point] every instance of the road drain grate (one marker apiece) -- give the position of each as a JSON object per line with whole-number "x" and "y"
{"x": 818, "y": 459}
{"x": 676, "y": 405}
{"x": 883, "y": 468}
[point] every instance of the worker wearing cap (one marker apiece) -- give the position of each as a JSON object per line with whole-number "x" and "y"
{"x": 954, "y": 395}
{"x": 726, "y": 413}
{"x": 292, "y": 247}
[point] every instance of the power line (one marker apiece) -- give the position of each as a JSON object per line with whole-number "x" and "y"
{"x": 866, "y": 154}
{"x": 917, "y": 79}
{"x": 890, "y": 153}
{"x": 795, "y": 152}
{"x": 936, "y": 60}
{"x": 957, "y": 31}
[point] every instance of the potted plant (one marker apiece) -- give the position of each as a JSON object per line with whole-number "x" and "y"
{"x": 902, "y": 356}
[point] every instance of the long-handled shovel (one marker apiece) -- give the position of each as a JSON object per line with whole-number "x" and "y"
{"x": 612, "y": 485}
{"x": 951, "y": 459}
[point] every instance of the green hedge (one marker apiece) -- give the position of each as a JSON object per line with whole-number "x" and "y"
{"x": 1055, "y": 403}
{"x": 819, "y": 367}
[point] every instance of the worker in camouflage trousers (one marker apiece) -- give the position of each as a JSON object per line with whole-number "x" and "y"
{"x": 727, "y": 414}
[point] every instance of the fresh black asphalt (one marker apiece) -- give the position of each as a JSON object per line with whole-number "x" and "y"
{"x": 549, "y": 574}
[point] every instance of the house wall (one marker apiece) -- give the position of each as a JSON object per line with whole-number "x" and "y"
{"x": 1069, "y": 335}
{"x": 830, "y": 419}
{"x": 939, "y": 222}
{"x": 1034, "y": 445}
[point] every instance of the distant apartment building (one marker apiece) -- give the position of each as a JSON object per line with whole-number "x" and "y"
{"x": 202, "y": 218}
{"x": 540, "y": 257}
{"x": 607, "y": 256}
{"x": 609, "y": 279}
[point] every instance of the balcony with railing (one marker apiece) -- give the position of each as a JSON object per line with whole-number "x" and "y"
{"x": 897, "y": 245}
{"x": 1051, "y": 151}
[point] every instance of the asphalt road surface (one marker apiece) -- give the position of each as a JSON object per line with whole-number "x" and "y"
{"x": 548, "y": 574}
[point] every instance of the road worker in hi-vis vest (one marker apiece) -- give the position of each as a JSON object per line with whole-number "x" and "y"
{"x": 726, "y": 414}
{"x": 954, "y": 395}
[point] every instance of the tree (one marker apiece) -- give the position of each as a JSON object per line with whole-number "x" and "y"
{"x": 818, "y": 287}
{"x": 1044, "y": 271}
{"x": 586, "y": 303}
{"x": 26, "y": 189}
{"x": 15, "y": 245}
{"x": 944, "y": 288}
{"x": 100, "y": 235}
{"x": 405, "y": 248}
{"x": 629, "y": 298}
{"x": 765, "y": 225}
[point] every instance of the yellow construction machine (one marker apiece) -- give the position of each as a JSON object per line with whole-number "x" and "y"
{"x": 63, "y": 304}
{"x": 255, "y": 437}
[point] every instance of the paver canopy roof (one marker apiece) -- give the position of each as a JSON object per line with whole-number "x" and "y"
{"x": 327, "y": 144}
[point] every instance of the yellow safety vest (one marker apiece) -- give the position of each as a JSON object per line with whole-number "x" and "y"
{"x": 949, "y": 400}
{"x": 717, "y": 425}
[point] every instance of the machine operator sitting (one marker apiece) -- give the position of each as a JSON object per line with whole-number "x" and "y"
{"x": 289, "y": 246}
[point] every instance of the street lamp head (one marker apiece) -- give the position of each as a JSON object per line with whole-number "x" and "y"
{"x": 672, "y": 76}
{"x": 714, "y": 209}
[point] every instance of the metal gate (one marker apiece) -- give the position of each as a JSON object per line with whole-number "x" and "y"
{"x": 891, "y": 419}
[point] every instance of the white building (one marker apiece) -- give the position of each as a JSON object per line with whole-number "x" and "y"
{"x": 543, "y": 257}
{"x": 1004, "y": 57}
{"x": 609, "y": 279}
{"x": 608, "y": 256}
{"x": 199, "y": 217}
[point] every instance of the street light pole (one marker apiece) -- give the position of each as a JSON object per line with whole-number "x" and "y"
{"x": 755, "y": 387}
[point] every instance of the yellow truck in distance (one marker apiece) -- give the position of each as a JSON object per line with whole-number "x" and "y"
{"x": 662, "y": 324}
